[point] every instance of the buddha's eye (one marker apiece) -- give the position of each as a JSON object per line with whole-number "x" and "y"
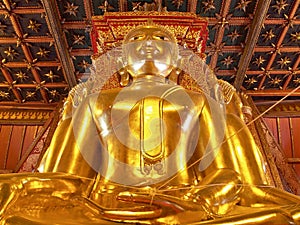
{"x": 161, "y": 37}
{"x": 136, "y": 38}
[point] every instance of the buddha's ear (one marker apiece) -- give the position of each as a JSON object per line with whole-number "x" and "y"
{"x": 124, "y": 77}
{"x": 174, "y": 74}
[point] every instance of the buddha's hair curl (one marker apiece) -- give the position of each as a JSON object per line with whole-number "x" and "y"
{"x": 152, "y": 25}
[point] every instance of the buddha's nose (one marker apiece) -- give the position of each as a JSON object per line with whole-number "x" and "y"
{"x": 149, "y": 40}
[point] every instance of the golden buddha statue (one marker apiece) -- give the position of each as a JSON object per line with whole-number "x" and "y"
{"x": 151, "y": 152}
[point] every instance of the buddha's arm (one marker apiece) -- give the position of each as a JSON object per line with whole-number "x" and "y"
{"x": 65, "y": 151}
{"x": 14, "y": 188}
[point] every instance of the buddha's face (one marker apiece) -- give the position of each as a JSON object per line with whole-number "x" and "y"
{"x": 150, "y": 50}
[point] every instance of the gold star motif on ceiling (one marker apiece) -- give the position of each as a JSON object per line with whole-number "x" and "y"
{"x": 71, "y": 9}
{"x": 84, "y": 64}
{"x": 209, "y": 5}
{"x": 30, "y": 94}
{"x": 275, "y": 81}
{"x": 242, "y": 5}
{"x": 297, "y": 81}
{"x": 276, "y": 49}
{"x": 21, "y": 76}
{"x": 43, "y": 52}
{"x": 51, "y": 76}
{"x": 20, "y": 40}
{"x": 234, "y": 35}
{"x": 216, "y": 49}
{"x": 32, "y": 64}
{"x": 223, "y": 21}
{"x": 54, "y": 93}
{"x": 39, "y": 86}
{"x": 4, "y": 94}
{"x": 289, "y": 21}
{"x": 227, "y": 61}
{"x": 10, "y": 52}
{"x": 258, "y": 61}
{"x": 251, "y": 81}
{"x": 284, "y": 62}
{"x": 268, "y": 35}
{"x": 107, "y": 7}
{"x": 279, "y": 6}
{"x": 177, "y": 3}
{"x": 33, "y": 25}
{"x": 78, "y": 39}
{"x": 295, "y": 37}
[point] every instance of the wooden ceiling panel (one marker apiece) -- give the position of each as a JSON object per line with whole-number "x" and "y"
{"x": 45, "y": 46}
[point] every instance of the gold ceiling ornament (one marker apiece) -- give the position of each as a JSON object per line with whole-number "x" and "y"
{"x": 11, "y": 85}
{"x": 20, "y": 40}
{"x": 10, "y": 52}
{"x": 177, "y": 3}
{"x": 109, "y": 30}
{"x": 71, "y": 9}
{"x": 32, "y": 64}
{"x": 251, "y": 81}
{"x": 295, "y": 37}
{"x": 275, "y": 82}
{"x": 222, "y": 21}
{"x": 84, "y": 64}
{"x": 280, "y": 5}
{"x": 227, "y": 61}
{"x": 269, "y": 35}
{"x": 78, "y": 40}
{"x": 43, "y": 52}
{"x": 297, "y": 81}
{"x": 54, "y": 93}
{"x": 242, "y": 5}
{"x": 39, "y": 86}
{"x": 289, "y": 22}
{"x": 50, "y": 75}
{"x": 284, "y": 62}
{"x": 216, "y": 49}
{"x": 266, "y": 73}
{"x": 258, "y": 61}
{"x": 209, "y": 5}
{"x": 234, "y": 35}
{"x": 276, "y": 49}
{"x": 21, "y": 76}
{"x": 2, "y": 63}
{"x": 105, "y": 6}
{"x": 4, "y": 95}
{"x": 33, "y": 25}
{"x": 30, "y": 94}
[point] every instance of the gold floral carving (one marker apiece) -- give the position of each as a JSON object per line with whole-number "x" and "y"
{"x": 23, "y": 116}
{"x": 109, "y": 29}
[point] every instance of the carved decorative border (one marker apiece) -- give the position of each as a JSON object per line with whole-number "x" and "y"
{"x": 24, "y": 116}
{"x": 287, "y": 108}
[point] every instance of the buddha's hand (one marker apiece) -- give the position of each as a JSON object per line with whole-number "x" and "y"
{"x": 171, "y": 208}
{"x": 9, "y": 192}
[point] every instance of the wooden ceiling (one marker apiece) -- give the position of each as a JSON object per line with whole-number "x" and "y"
{"x": 45, "y": 46}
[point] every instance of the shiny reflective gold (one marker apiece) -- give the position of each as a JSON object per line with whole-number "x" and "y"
{"x": 149, "y": 153}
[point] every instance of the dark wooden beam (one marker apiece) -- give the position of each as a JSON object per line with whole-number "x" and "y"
{"x": 255, "y": 29}
{"x": 52, "y": 17}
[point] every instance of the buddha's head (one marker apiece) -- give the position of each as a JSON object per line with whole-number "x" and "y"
{"x": 150, "y": 50}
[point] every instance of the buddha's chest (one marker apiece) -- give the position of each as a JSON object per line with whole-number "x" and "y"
{"x": 148, "y": 140}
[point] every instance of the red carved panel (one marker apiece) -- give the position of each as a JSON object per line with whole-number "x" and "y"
{"x": 286, "y": 131}
{"x": 14, "y": 140}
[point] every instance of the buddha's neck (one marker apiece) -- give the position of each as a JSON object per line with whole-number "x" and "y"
{"x": 149, "y": 79}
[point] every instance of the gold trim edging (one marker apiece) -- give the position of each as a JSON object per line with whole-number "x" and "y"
{"x": 24, "y": 116}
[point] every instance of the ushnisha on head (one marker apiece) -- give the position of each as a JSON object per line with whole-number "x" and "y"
{"x": 150, "y": 50}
